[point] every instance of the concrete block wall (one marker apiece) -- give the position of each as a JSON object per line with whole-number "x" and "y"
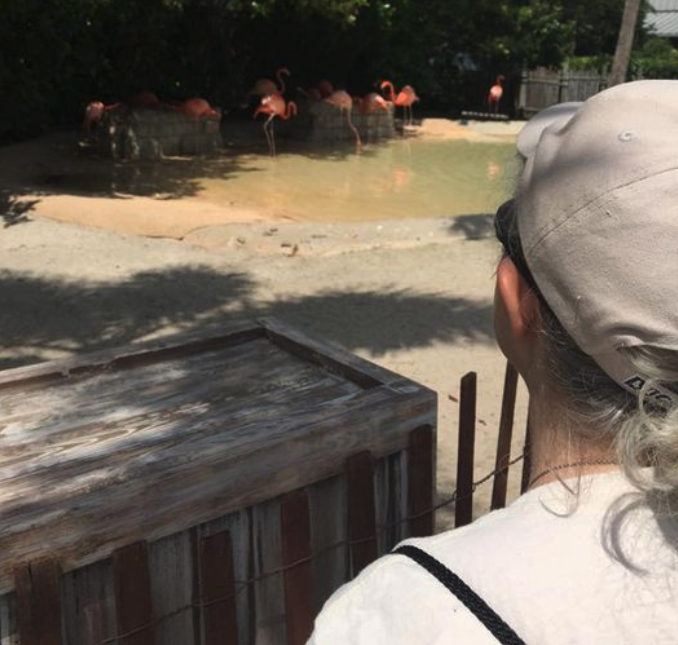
{"x": 327, "y": 122}
{"x": 151, "y": 134}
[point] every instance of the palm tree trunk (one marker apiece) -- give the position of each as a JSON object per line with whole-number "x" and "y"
{"x": 624, "y": 42}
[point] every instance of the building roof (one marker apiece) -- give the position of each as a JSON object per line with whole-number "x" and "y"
{"x": 662, "y": 18}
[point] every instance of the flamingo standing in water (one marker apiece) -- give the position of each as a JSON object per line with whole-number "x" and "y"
{"x": 344, "y": 102}
{"x": 370, "y": 103}
{"x": 274, "y": 105}
{"x": 265, "y": 86}
{"x": 405, "y": 98}
{"x": 495, "y": 94}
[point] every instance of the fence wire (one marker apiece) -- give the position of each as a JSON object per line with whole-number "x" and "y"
{"x": 243, "y": 585}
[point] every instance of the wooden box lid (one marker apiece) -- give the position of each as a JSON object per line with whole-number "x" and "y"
{"x": 102, "y": 450}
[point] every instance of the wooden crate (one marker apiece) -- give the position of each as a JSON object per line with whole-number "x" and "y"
{"x": 202, "y": 490}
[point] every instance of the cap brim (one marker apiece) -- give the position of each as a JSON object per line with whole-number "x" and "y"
{"x": 529, "y": 136}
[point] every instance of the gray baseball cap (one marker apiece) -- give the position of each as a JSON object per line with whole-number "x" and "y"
{"x": 598, "y": 220}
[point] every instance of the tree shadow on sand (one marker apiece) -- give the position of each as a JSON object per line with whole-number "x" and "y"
{"x": 42, "y": 317}
{"x": 171, "y": 178}
{"x": 474, "y": 227}
{"x": 62, "y": 163}
{"x": 14, "y": 210}
{"x": 387, "y": 320}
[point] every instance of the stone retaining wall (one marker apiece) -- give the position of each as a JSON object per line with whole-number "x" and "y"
{"x": 326, "y": 122}
{"x": 152, "y": 134}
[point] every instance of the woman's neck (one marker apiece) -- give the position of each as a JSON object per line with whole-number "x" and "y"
{"x": 558, "y": 451}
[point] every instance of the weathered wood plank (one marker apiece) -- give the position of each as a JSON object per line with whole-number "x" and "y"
{"x": 463, "y": 512}
{"x": 170, "y": 562}
{"x": 9, "y": 632}
{"x": 362, "y": 530}
{"x": 129, "y": 356}
{"x": 508, "y": 406}
{"x": 268, "y": 594}
{"x": 218, "y": 589}
{"x": 88, "y": 604}
{"x": 298, "y": 579}
{"x": 327, "y": 501}
{"x": 194, "y": 472}
{"x": 171, "y": 437}
{"x": 330, "y": 356}
{"x": 421, "y": 481}
{"x": 62, "y": 412}
{"x": 238, "y": 526}
{"x": 527, "y": 459}
{"x": 391, "y": 500}
{"x": 39, "y": 602}
{"x": 133, "y": 595}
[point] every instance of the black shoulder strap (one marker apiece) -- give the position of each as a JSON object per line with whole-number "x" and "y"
{"x": 473, "y": 602}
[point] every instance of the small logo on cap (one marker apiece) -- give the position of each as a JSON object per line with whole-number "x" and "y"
{"x": 662, "y": 399}
{"x": 635, "y": 382}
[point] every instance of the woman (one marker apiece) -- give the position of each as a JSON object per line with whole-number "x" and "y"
{"x": 586, "y": 308}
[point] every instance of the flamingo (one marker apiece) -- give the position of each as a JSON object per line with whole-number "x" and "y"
{"x": 274, "y": 105}
{"x": 495, "y": 94}
{"x": 344, "y": 102}
{"x": 265, "y": 86}
{"x": 405, "y": 98}
{"x": 370, "y": 103}
{"x": 198, "y": 108}
{"x": 94, "y": 112}
{"x": 325, "y": 88}
{"x": 146, "y": 100}
{"x": 313, "y": 93}
{"x": 322, "y": 90}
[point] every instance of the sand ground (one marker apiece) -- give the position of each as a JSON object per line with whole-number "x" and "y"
{"x": 414, "y": 296}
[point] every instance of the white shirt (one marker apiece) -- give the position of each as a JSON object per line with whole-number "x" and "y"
{"x": 558, "y": 568}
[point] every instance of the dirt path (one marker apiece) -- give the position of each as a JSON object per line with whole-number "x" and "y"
{"x": 414, "y": 296}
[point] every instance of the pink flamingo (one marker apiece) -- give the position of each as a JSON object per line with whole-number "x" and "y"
{"x": 146, "y": 100}
{"x": 313, "y": 93}
{"x": 495, "y": 94}
{"x": 325, "y": 88}
{"x": 405, "y": 98}
{"x": 370, "y": 103}
{"x": 322, "y": 90}
{"x": 94, "y": 112}
{"x": 198, "y": 108}
{"x": 274, "y": 106}
{"x": 344, "y": 102}
{"x": 265, "y": 86}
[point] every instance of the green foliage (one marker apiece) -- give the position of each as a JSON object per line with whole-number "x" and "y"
{"x": 57, "y": 55}
{"x": 601, "y": 63}
{"x": 656, "y": 59}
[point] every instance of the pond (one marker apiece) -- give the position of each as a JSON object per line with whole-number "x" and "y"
{"x": 403, "y": 178}
{"x": 406, "y": 177}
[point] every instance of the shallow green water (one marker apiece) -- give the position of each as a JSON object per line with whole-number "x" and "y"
{"x": 398, "y": 179}
{"x": 402, "y": 178}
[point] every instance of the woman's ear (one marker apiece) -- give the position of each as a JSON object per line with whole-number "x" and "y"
{"x": 516, "y": 315}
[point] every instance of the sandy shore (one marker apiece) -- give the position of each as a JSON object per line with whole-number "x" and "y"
{"x": 412, "y": 295}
